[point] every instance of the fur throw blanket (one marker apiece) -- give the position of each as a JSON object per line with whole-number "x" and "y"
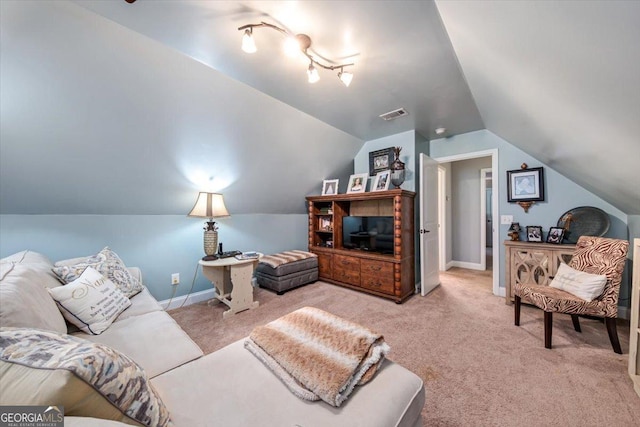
{"x": 318, "y": 355}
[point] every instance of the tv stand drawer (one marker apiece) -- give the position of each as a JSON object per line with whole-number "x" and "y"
{"x": 346, "y": 269}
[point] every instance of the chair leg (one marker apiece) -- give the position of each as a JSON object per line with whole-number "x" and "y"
{"x": 576, "y": 322}
{"x": 613, "y": 334}
{"x": 516, "y": 310}
{"x": 548, "y": 324}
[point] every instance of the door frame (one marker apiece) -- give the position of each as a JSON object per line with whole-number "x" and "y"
{"x": 483, "y": 217}
{"x": 442, "y": 220}
{"x": 493, "y": 153}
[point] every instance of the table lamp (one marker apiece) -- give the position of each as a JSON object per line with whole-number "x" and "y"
{"x": 514, "y": 231}
{"x": 209, "y": 205}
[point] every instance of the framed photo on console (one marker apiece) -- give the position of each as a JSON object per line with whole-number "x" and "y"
{"x": 357, "y": 183}
{"x": 382, "y": 180}
{"x": 534, "y": 233}
{"x": 556, "y": 234}
{"x": 329, "y": 187}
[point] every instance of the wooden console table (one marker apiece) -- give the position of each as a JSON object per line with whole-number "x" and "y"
{"x": 231, "y": 279}
{"x": 532, "y": 262}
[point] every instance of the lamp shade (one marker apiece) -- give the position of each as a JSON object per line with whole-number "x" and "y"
{"x": 209, "y": 205}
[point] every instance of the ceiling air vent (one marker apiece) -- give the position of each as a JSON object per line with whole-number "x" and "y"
{"x": 391, "y": 115}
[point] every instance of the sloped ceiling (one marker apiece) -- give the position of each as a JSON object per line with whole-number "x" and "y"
{"x": 560, "y": 80}
{"x": 160, "y": 89}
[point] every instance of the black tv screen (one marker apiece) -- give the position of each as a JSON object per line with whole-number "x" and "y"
{"x": 368, "y": 233}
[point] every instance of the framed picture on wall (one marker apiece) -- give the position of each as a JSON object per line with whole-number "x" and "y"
{"x": 380, "y": 160}
{"x": 525, "y": 185}
{"x": 329, "y": 187}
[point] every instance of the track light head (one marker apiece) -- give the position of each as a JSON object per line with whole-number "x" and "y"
{"x": 248, "y": 44}
{"x": 345, "y": 77}
{"x": 312, "y": 73}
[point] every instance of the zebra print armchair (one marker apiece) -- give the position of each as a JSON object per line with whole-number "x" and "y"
{"x": 595, "y": 255}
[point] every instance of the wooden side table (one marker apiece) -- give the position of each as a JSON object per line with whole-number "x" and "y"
{"x": 231, "y": 279}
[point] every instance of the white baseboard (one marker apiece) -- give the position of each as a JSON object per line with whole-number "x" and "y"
{"x": 467, "y": 265}
{"x": 189, "y": 299}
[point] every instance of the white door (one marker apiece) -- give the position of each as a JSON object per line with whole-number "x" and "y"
{"x": 430, "y": 276}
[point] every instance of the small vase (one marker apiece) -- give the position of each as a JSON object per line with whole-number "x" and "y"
{"x": 397, "y": 168}
{"x": 210, "y": 242}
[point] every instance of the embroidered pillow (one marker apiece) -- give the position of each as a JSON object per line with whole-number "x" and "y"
{"x": 107, "y": 263}
{"x": 583, "y": 285}
{"x": 91, "y": 302}
{"x": 88, "y": 379}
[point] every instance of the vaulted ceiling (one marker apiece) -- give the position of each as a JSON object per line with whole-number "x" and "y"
{"x": 560, "y": 80}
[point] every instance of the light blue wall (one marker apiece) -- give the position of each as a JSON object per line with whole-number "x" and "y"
{"x": 406, "y": 140}
{"x": 159, "y": 244}
{"x": 561, "y": 194}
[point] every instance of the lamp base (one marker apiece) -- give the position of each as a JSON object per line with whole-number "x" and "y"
{"x": 210, "y": 257}
{"x": 210, "y": 242}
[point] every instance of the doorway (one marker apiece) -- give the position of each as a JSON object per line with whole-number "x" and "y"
{"x": 488, "y": 214}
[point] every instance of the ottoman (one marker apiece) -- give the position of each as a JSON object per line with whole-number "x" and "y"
{"x": 287, "y": 270}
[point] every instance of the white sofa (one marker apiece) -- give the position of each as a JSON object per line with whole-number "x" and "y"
{"x": 229, "y": 387}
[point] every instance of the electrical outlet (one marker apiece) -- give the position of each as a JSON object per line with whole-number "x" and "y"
{"x": 506, "y": 219}
{"x": 175, "y": 279}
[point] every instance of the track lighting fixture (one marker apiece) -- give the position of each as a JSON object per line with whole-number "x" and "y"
{"x": 303, "y": 43}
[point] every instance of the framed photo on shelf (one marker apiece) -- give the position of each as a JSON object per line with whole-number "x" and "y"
{"x": 525, "y": 185}
{"x": 534, "y": 233}
{"x": 556, "y": 234}
{"x": 382, "y": 180}
{"x": 325, "y": 224}
{"x": 357, "y": 183}
{"x": 380, "y": 160}
{"x": 329, "y": 187}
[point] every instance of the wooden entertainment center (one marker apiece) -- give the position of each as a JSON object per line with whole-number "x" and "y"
{"x": 389, "y": 273}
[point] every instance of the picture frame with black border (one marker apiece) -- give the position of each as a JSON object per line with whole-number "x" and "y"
{"x": 357, "y": 183}
{"x": 380, "y": 160}
{"x": 525, "y": 185}
{"x": 381, "y": 181}
{"x": 534, "y": 233}
{"x": 330, "y": 187}
{"x": 555, "y": 235}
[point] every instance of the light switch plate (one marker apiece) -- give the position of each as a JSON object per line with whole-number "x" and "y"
{"x": 506, "y": 219}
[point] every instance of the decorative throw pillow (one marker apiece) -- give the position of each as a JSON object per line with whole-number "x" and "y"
{"x": 91, "y": 302}
{"x": 88, "y": 379}
{"x": 106, "y": 262}
{"x": 583, "y": 285}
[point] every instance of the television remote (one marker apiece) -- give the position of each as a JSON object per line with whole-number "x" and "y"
{"x": 229, "y": 254}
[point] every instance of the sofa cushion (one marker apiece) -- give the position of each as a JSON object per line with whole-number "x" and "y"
{"x": 27, "y": 257}
{"x": 91, "y": 302}
{"x": 106, "y": 262}
{"x": 241, "y": 391}
{"x": 154, "y": 340}
{"x": 141, "y": 303}
{"x": 88, "y": 379}
{"x": 24, "y": 300}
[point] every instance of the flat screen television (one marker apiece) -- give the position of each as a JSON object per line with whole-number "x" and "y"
{"x": 368, "y": 233}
